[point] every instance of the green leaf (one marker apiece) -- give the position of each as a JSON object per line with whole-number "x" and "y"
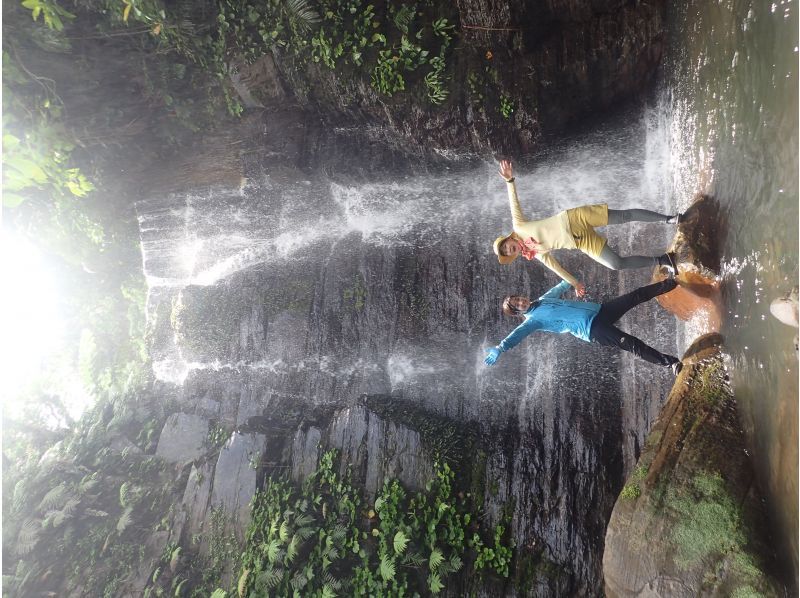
{"x": 387, "y": 568}
{"x": 10, "y": 141}
{"x": 400, "y": 542}
{"x": 27, "y": 168}
{"x": 435, "y": 559}
{"x": 435, "y": 583}
{"x": 219, "y": 593}
{"x": 11, "y": 200}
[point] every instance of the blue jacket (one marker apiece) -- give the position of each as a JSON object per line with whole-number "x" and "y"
{"x": 554, "y": 315}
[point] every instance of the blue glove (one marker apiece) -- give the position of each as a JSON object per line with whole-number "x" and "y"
{"x": 494, "y": 354}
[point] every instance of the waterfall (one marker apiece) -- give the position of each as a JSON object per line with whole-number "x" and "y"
{"x": 318, "y": 291}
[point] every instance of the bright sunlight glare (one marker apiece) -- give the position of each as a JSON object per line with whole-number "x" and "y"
{"x": 30, "y": 326}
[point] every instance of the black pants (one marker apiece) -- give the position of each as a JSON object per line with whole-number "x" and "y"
{"x": 604, "y": 332}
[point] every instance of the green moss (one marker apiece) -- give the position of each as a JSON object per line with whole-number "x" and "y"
{"x": 631, "y": 491}
{"x": 710, "y": 527}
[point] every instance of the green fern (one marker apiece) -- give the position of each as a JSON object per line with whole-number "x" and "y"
{"x": 292, "y": 549}
{"x": 330, "y": 580}
{"x": 304, "y": 533}
{"x": 435, "y": 583}
{"x": 283, "y": 533}
{"x": 299, "y": 581}
{"x": 179, "y": 588}
{"x": 28, "y": 536}
{"x": 272, "y": 551}
{"x": 435, "y": 559}
{"x": 124, "y": 494}
{"x": 270, "y": 578}
{"x": 404, "y": 17}
{"x": 387, "y": 568}
{"x": 328, "y": 592}
{"x": 301, "y": 13}
{"x": 400, "y": 542}
{"x": 240, "y": 587}
{"x": 303, "y": 520}
{"x": 174, "y": 559}
{"x": 414, "y": 559}
{"x": 219, "y": 593}
{"x": 125, "y": 520}
{"x": 54, "y": 499}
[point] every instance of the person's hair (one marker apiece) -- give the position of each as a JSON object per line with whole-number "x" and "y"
{"x": 511, "y": 310}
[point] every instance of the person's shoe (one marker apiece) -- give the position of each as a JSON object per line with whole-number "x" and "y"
{"x": 676, "y": 367}
{"x": 670, "y": 261}
{"x": 676, "y": 219}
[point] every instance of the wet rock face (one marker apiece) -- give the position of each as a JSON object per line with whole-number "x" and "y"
{"x": 689, "y": 521}
{"x": 558, "y": 62}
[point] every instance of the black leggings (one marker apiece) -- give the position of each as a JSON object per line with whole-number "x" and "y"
{"x": 604, "y": 332}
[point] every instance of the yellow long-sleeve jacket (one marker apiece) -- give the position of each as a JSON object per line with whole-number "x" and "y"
{"x": 549, "y": 233}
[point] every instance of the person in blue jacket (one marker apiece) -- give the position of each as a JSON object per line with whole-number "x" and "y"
{"x": 584, "y": 320}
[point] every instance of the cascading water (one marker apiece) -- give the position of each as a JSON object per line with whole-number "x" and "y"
{"x": 296, "y": 287}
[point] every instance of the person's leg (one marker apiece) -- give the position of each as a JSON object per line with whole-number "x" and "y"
{"x": 613, "y": 310}
{"x": 610, "y": 336}
{"x": 638, "y": 215}
{"x": 610, "y": 259}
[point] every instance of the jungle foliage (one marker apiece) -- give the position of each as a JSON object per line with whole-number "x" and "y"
{"x": 324, "y": 539}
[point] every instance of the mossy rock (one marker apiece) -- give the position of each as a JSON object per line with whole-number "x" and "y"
{"x": 695, "y": 526}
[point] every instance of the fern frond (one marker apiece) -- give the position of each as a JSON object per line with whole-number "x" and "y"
{"x": 435, "y": 559}
{"x": 70, "y": 506}
{"x": 124, "y": 494}
{"x": 400, "y": 542}
{"x": 403, "y": 17}
{"x": 292, "y": 549}
{"x": 339, "y": 533}
{"x": 328, "y": 592}
{"x": 330, "y": 580}
{"x": 303, "y": 520}
{"x": 414, "y": 559}
{"x": 95, "y": 513}
{"x": 455, "y": 562}
{"x": 299, "y": 581}
{"x": 435, "y": 583}
{"x": 28, "y": 536}
{"x": 304, "y": 533}
{"x": 174, "y": 559}
{"x": 54, "y": 499}
{"x": 125, "y": 519}
{"x": 301, "y": 13}
{"x": 283, "y": 533}
{"x": 242, "y": 582}
{"x": 272, "y": 551}
{"x": 219, "y": 593}
{"x": 387, "y": 568}
{"x": 269, "y": 578}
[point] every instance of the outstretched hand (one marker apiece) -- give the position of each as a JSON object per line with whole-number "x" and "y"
{"x": 506, "y": 171}
{"x": 492, "y": 356}
{"x": 580, "y": 289}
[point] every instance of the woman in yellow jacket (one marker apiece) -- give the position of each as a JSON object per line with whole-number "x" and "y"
{"x": 572, "y": 229}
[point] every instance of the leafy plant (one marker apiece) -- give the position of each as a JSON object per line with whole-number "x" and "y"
{"x": 506, "y": 107}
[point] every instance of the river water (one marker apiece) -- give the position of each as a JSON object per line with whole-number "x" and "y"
{"x": 731, "y": 95}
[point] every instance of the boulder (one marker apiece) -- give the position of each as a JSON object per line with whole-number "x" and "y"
{"x": 697, "y": 249}
{"x": 690, "y": 521}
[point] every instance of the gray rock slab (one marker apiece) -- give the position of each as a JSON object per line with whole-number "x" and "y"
{"x": 196, "y": 497}
{"x": 305, "y": 453}
{"x": 183, "y": 438}
{"x": 235, "y": 479}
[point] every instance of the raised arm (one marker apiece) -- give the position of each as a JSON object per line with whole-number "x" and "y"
{"x": 507, "y": 172}
{"x": 558, "y": 290}
{"x": 511, "y": 341}
{"x": 551, "y": 262}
